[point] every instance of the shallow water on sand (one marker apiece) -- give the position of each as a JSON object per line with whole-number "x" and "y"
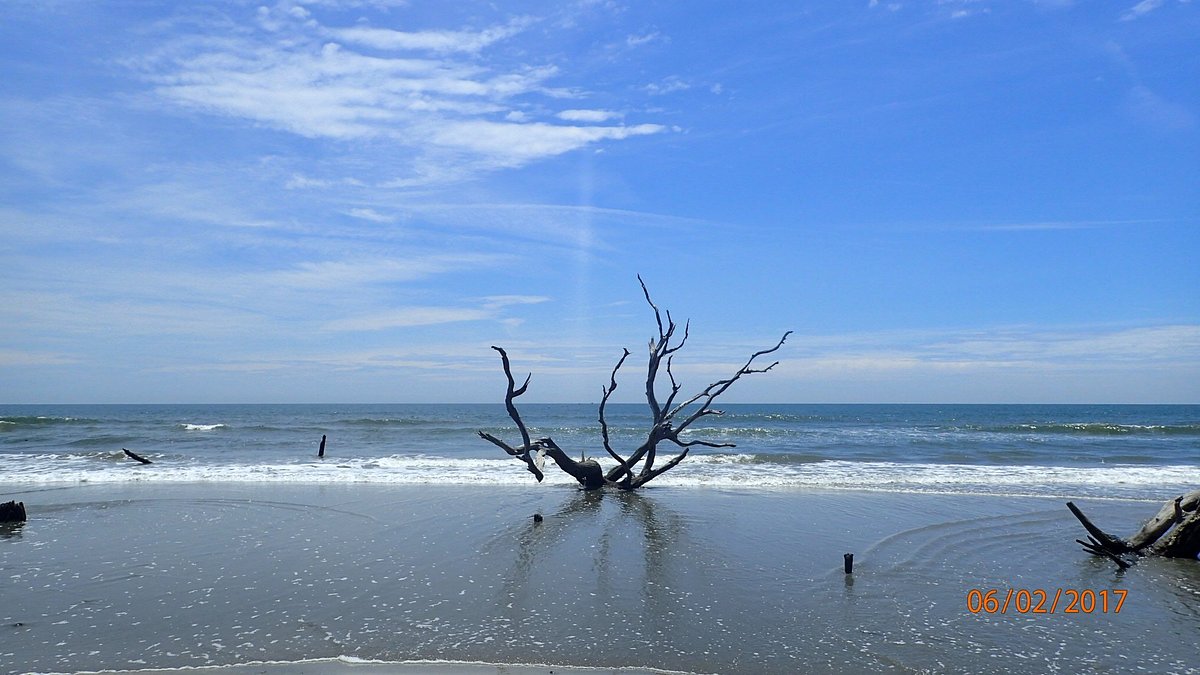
{"x": 688, "y": 579}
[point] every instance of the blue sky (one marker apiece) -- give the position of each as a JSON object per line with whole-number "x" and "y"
{"x": 351, "y": 200}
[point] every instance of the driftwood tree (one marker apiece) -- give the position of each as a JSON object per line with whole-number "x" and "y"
{"x": 670, "y": 418}
{"x": 1156, "y": 537}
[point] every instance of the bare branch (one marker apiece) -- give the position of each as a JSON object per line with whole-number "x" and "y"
{"x": 1100, "y": 538}
{"x": 707, "y": 444}
{"x": 674, "y": 385}
{"x": 509, "y": 395}
{"x": 505, "y": 446}
{"x": 657, "y": 316}
{"x": 612, "y": 386}
{"x": 686, "y": 328}
{"x": 1096, "y": 549}
{"x": 648, "y": 476}
{"x": 712, "y": 391}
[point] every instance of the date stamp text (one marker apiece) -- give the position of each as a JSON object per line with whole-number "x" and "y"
{"x": 1045, "y": 601}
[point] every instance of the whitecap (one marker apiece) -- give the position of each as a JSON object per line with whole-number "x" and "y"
{"x": 202, "y": 427}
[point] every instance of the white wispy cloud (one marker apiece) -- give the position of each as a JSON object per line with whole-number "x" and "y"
{"x": 357, "y": 271}
{"x": 407, "y": 317}
{"x": 1156, "y": 112}
{"x": 1141, "y": 9}
{"x": 498, "y": 301}
{"x": 354, "y": 4}
{"x": 668, "y": 85}
{"x": 511, "y": 145}
{"x": 431, "y": 94}
{"x": 488, "y": 308}
{"x": 14, "y": 358}
{"x": 1058, "y": 225}
{"x": 588, "y": 115}
{"x": 442, "y": 42}
{"x": 638, "y": 40}
{"x": 371, "y": 215}
{"x": 1001, "y": 348}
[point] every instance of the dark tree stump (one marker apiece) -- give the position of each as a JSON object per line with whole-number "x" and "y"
{"x": 12, "y": 512}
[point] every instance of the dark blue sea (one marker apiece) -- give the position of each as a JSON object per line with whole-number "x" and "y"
{"x": 1129, "y": 451}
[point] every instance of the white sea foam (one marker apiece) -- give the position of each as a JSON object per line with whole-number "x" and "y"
{"x": 375, "y": 666}
{"x": 714, "y": 471}
{"x": 202, "y": 427}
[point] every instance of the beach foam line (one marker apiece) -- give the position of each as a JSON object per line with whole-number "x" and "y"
{"x": 358, "y": 666}
{"x": 742, "y": 471}
{"x": 201, "y": 427}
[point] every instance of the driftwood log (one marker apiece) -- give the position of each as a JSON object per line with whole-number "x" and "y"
{"x": 669, "y": 419}
{"x": 12, "y": 512}
{"x": 139, "y": 458}
{"x": 1173, "y": 533}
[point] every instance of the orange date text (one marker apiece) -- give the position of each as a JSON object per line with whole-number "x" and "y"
{"x": 1045, "y": 601}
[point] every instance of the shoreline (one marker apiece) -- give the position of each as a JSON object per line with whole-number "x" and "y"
{"x": 350, "y": 665}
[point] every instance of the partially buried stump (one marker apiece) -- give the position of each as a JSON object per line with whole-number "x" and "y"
{"x": 12, "y": 512}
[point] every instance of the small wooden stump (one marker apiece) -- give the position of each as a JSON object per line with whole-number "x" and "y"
{"x": 321, "y": 450}
{"x": 848, "y": 562}
{"x": 12, "y": 512}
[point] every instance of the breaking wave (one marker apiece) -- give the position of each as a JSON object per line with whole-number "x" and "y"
{"x": 728, "y": 470}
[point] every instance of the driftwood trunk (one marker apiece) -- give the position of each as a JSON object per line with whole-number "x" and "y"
{"x": 669, "y": 418}
{"x": 1173, "y": 533}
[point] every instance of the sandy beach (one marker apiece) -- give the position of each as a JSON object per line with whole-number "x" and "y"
{"x": 362, "y": 578}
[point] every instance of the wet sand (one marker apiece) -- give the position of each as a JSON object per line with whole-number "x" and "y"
{"x": 322, "y": 578}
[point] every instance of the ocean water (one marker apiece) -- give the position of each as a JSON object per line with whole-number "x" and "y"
{"x": 1127, "y": 451}
{"x": 239, "y": 550}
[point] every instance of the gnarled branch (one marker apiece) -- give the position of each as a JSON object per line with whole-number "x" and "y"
{"x": 512, "y": 393}
{"x": 639, "y": 467}
{"x": 1155, "y": 537}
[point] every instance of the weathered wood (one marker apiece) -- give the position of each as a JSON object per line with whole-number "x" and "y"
{"x": 12, "y": 512}
{"x": 139, "y": 458}
{"x": 1173, "y": 533}
{"x": 1184, "y": 540}
{"x": 1093, "y": 547}
{"x": 668, "y": 419}
{"x": 510, "y": 395}
{"x": 1101, "y": 538}
{"x": 1172, "y": 513}
{"x": 321, "y": 450}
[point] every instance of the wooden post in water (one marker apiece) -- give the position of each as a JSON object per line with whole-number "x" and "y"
{"x": 321, "y": 450}
{"x": 848, "y": 559}
{"x": 12, "y": 512}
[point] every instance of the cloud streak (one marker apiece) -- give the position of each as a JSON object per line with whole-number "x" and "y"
{"x": 438, "y": 42}
{"x": 424, "y": 92}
